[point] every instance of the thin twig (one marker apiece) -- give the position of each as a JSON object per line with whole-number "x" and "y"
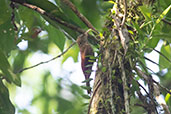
{"x": 152, "y": 61}
{"x": 47, "y": 60}
{"x": 145, "y": 77}
{"x": 162, "y": 87}
{"x": 54, "y": 18}
{"x": 81, "y": 16}
{"x": 162, "y": 55}
{"x": 166, "y": 21}
{"x": 158, "y": 97}
{"x": 151, "y": 93}
{"x": 141, "y": 105}
{"x": 43, "y": 12}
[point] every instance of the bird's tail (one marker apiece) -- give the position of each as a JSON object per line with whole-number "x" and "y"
{"x": 88, "y": 87}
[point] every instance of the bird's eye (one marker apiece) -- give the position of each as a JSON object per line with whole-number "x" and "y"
{"x": 80, "y": 43}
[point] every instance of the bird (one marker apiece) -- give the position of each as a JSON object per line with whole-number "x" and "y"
{"x": 86, "y": 52}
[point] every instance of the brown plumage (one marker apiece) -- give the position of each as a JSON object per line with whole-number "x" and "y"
{"x": 86, "y": 51}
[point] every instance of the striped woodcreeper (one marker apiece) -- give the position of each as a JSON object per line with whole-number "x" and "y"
{"x": 86, "y": 54}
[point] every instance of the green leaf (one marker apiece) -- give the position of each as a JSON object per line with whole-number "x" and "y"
{"x": 88, "y": 71}
{"x": 146, "y": 11}
{"x": 71, "y": 16}
{"x": 163, "y": 14}
{"x": 7, "y": 40}
{"x": 152, "y": 43}
{"x": 28, "y": 22}
{"x": 134, "y": 88}
{"x": 89, "y": 65}
{"x": 88, "y": 80}
{"x": 73, "y": 52}
{"x": 137, "y": 27}
{"x": 19, "y": 60}
{"x": 39, "y": 44}
{"x": 104, "y": 69}
{"x": 164, "y": 36}
{"x": 85, "y": 104}
{"x": 7, "y": 70}
{"x": 166, "y": 51}
{"x": 6, "y": 107}
{"x": 55, "y": 11}
{"x": 68, "y": 32}
{"x": 86, "y": 96}
{"x": 86, "y": 87}
{"x": 48, "y": 6}
{"x": 90, "y": 10}
{"x": 5, "y": 12}
{"x": 64, "y": 105}
{"x": 56, "y": 36}
{"x": 167, "y": 97}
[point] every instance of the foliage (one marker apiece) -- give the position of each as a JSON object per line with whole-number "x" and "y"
{"x": 148, "y": 26}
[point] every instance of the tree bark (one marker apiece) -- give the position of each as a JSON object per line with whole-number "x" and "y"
{"x": 108, "y": 96}
{"x": 109, "y": 89}
{"x": 116, "y": 70}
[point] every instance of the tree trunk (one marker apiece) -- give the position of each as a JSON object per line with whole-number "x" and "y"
{"x": 110, "y": 92}
{"x": 108, "y": 96}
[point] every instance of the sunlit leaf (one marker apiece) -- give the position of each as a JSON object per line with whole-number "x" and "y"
{"x": 163, "y": 14}
{"x": 7, "y": 70}
{"x": 146, "y": 11}
{"x": 56, "y": 36}
{"x": 167, "y": 97}
{"x": 73, "y": 52}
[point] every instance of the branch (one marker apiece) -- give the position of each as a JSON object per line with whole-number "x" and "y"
{"x": 160, "y": 100}
{"x": 162, "y": 55}
{"x": 145, "y": 77}
{"x": 166, "y": 21}
{"x": 43, "y": 12}
{"x": 124, "y": 83}
{"x": 123, "y": 32}
{"x": 81, "y": 16}
{"x": 156, "y": 89}
{"x": 47, "y": 60}
{"x": 125, "y": 13}
{"x": 162, "y": 87}
{"x": 152, "y": 61}
{"x": 12, "y": 5}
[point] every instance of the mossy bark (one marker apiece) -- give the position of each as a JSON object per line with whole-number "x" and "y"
{"x": 108, "y": 94}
